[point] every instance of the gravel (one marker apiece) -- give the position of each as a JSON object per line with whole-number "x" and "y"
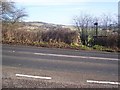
{"x": 27, "y": 83}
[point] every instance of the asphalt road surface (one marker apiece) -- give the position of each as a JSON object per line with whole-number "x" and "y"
{"x": 35, "y": 67}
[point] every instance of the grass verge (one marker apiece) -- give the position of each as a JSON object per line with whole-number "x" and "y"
{"x": 64, "y": 46}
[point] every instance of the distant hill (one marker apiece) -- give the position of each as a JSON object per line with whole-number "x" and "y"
{"x": 45, "y": 26}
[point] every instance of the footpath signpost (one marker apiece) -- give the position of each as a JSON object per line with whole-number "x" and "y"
{"x": 96, "y": 28}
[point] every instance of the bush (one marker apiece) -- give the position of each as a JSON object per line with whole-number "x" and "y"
{"x": 110, "y": 41}
{"x": 64, "y": 35}
{"x": 58, "y": 37}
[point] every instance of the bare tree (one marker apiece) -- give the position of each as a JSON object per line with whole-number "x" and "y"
{"x": 82, "y": 23}
{"x": 10, "y": 13}
{"x": 11, "y": 17}
{"x": 106, "y": 21}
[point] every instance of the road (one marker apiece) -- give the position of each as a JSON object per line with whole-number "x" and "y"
{"x": 66, "y": 68}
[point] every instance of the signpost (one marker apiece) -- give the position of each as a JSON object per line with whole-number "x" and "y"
{"x": 96, "y": 28}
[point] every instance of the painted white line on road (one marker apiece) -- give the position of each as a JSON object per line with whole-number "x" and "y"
{"x": 103, "y": 82}
{"x": 85, "y": 57}
{"x": 13, "y": 51}
{"x": 30, "y": 76}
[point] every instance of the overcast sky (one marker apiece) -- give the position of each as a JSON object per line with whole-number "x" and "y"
{"x": 63, "y": 11}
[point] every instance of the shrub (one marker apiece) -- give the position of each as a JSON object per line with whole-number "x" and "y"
{"x": 110, "y": 41}
{"x": 64, "y": 35}
{"x": 58, "y": 37}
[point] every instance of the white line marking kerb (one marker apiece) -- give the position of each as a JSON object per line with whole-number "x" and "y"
{"x": 103, "y": 82}
{"x": 86, "y": 57}
{"x": 30, "y": 76}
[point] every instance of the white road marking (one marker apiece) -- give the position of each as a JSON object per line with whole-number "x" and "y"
{"x": 30, "y": 76}
{"x": 103, "y": 82}
{"x": 85, "y": 57}
{"x": 13, "y": 51}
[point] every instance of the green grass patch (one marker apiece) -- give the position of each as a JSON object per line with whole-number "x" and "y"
{"x": 83, "y": 47}
{"x": 102, "y": 48}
